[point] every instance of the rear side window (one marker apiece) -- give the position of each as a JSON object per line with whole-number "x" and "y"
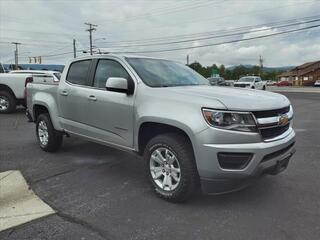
{"x": 106, "y": 69}
{"x": 78, "y": 72}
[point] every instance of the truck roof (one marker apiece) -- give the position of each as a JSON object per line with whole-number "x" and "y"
{"x": 122, "y": 56}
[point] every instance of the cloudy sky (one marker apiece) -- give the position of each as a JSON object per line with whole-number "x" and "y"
{"x": 47, "y": 28}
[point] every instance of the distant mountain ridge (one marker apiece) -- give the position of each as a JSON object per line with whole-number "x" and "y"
{"x": 267, "y": 69}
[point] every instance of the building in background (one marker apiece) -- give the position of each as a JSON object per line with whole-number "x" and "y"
{"x": 303, "y": 75}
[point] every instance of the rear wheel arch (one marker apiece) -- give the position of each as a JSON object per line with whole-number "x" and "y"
{"x": 6, "y": 88}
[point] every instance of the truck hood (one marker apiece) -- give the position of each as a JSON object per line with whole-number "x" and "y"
{"x": 233, "y": 98}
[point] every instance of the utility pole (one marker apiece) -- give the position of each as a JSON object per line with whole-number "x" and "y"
{"x": 16, "y": 55}
{"x": 74, "y": 49}
{"x": 261, "y": 64}
{"x": 92, "y": 27}
{"x": 188, "y": 59}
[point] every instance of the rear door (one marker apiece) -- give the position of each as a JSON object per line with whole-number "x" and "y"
{"x": 72, "y": 96}
{"x": 110, "y": 114}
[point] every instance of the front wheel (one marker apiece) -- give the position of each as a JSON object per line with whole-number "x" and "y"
{"x": 171, "y": 167}
{"x": 49, "y": 139}
{"x": 264, "y": 88}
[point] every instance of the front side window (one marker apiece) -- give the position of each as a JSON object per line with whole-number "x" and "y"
{"x": 78, "y": 72}
{"x": 106, "y": 69}
{"x": 165, "y": 73}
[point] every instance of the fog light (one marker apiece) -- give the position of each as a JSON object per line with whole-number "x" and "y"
{"x": 234, "y": 161}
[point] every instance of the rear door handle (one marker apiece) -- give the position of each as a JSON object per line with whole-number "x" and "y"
{"x": 92, "y": 98}
{"x": 64, "y": 93}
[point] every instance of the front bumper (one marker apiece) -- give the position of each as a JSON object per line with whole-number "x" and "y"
{"x": 267, "y": 157}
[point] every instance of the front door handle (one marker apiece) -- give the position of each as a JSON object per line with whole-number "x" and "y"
{"x": 64, "y": 93}
{"x": 92, "y": 98}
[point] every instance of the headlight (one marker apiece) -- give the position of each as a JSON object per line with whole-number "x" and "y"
{"x": 230, "y": 120}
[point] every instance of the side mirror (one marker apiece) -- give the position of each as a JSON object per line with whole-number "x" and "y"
{"x": 116, "y": 84}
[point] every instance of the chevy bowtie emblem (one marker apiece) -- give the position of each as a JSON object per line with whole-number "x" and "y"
{"x": 283, "y": 120}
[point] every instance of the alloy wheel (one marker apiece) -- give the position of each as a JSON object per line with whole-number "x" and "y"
{"x": 165, "y": 169}
{"x": 4, "y": 103}
{"x": 43, "y": 133}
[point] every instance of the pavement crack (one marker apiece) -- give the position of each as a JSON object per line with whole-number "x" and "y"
{"x": 6, "y": 175}
{"x": 52, "y": 176}
{"x": 86, "y": 225}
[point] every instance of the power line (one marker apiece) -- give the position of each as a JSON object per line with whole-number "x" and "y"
{"x": 165, "y": 50}
{"x": 234, "y": 14}
{"x": 168, "y": 10}
{"x": 215, "y": 36}
{"x": 209, "y": 33}
{"x": 221, "y": 43}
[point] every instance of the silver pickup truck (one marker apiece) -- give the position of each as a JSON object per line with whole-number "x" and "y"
{"x": 189, "y": 133}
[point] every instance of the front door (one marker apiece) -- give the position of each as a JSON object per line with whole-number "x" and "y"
{"x": 110, "y": 115}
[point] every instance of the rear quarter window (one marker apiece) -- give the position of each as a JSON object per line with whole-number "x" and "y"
{"x": 78, "y": 72}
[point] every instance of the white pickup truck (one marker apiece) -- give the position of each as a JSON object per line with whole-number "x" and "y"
{"x": 253, "y": 82}
{"x": 12, "y": 86}
{"x": 12, "y": 90}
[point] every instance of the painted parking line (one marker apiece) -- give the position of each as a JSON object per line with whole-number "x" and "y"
{"x": 18, "y": 203}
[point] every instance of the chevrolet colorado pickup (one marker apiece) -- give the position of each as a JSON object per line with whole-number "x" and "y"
{"x": 189, "y": 133}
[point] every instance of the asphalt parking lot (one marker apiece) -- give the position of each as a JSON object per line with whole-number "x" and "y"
{"x": 101, "y": 193}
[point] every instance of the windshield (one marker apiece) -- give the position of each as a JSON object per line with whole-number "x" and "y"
{"x": 246, "y": 79}
{"x": 164, "y": 73}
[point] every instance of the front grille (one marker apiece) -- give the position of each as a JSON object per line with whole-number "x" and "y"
{"x": 271, "y": 113}
{"x": 277, "y": 153}
{"x": 274, "y": 128}
{"x": 240, "y": 85}
{"x": 273, "y": 132}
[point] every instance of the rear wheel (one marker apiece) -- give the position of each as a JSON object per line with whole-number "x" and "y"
{"x": 264, "y": 88}
{"x": 171, "y": 167}
{"x": 7, "y": 102}
{"x": 49, "y": 139}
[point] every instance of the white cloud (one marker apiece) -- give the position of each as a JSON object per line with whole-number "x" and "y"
{"x": 46, "y": 26}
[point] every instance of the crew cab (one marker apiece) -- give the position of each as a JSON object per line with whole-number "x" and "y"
{"x": 251, "y": 82}
{"x": 189, "y": 133}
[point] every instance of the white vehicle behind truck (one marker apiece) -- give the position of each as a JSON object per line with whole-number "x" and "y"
{"x": 253, "y": 82}
{"x": 12, "y": 86}
{"x": 12, "y": 90}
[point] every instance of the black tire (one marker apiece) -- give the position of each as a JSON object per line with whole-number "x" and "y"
{"x": 264, "y": 88}
{"x": 189, "y": 178}
{"x": 252, "y": 87}
{"x": 11, "y": 101}
{"x": 54, "y": 137}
